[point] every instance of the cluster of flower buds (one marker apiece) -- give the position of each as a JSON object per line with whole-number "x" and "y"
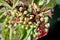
{"x": 33, "y": 16}
{"x": 30, "y": 17}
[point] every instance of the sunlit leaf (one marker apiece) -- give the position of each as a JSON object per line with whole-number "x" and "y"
{"x": 5, "y": 32}
{"x": 23, "y": 33}
{"x": 15, "y": 3}
{"x": 2, "y": 17}
{"x": 5, "y": 4}
{"x": 0, "y": 3}
{"x": 51, "y": 4}
{"x": 39, "y": 2}
{"x": 28, "y": 33}
{"x": 1, "y": 12}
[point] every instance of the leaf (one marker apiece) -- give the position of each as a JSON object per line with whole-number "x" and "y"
{"x": 1, "y": 12}
{"x": 29, "y": 38}
{"x": 4, "y": 32}
{"x": 15, "y": 3}
{"x": 28, "y": 33}
{"x": 2, "y": 17}
{"x": 0, "y": 3}
{"x": 36, "y": 1}
{"x": 23, "y": 33}
{"x": 5, "y": 4}
{"x": 39, "y": 2}
{"x": 1, "y": 26}
{"x": 51, "y": 4}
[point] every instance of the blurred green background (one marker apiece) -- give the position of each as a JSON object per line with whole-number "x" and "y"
{"x": 56, "y": 14}
{"x": 58, "y": 2}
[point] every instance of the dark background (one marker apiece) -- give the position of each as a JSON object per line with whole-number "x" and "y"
{"x": 54, "y": 31}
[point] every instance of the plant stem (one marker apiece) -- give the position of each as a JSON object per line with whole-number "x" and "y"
{"x": 28, "y": 33}
{"x": 32, "y": 2}
{"x": 10, "y": 36}
{"x": 2, "y": 15}
{"x": 15, "y": 3}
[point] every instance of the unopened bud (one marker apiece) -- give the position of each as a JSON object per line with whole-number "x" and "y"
{"x": 47, "y": 25}
{"x": 46, "y": 19}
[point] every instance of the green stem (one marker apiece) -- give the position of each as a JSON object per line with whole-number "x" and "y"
{"x": 6, "y": 4}
{"x": 28, "y": 33}
{"x": 15, "y": 3}
{"x": 10, "y": 36}
{"x": 5, "y": 20}
{"x": 32, "y": 2}
{"x": 2, "y": 15}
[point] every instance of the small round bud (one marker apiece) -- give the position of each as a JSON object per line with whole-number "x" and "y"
{"x": 47, "y": 25}
{"x": 41, "y": 19}
{"x": 20, "y": 8}
{"x": 25, "y": 12}
{"x": 15, "y": 24}
{"x": 14, "y": 32}
{"x": 22, "y": 26}
{"x": 46, "y": 30}
{"x": 46, "y": 19}
{"x": 24, "y": 22}
{"x": 31, "y": 26}
{"x": 30, "y": 23}
{"x": 38, "y": 22}
{"x": 34, "y": 26}
{"x": 26, "y": 27}
{"x": 41, "y": 14}
{"x": 21, "y": 18}
{"x": 20, "y": 14}
{"x": 31, "y": 16}
{"x": 9, "y": 26}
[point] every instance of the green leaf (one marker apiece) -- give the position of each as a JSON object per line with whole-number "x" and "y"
{"x": 36, "y": 1}
{"x": 30, "y": 9}
{"x": 51, "y": 4}
{"x": 1, "y": 12}
{"x": 39, "y": 2}
{"x": 28, "y": 33}
{"x": 2, "y": 17}
{"x": 15, "y": 3}
{"x": 5, "y": 33}
{"x": 5, "y": 4}
{"x": 23, "y": 33}
{"x": 0, "y": 3}
{"x": 29, "y": 38}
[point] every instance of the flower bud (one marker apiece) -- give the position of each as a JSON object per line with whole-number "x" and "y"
{"x": 46, "y": 19}
{"x": 20, "y": 8}
{"x": 41, "y": 19}
{"x": 25, "y": 12}
{"x": 47, "y": 25}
